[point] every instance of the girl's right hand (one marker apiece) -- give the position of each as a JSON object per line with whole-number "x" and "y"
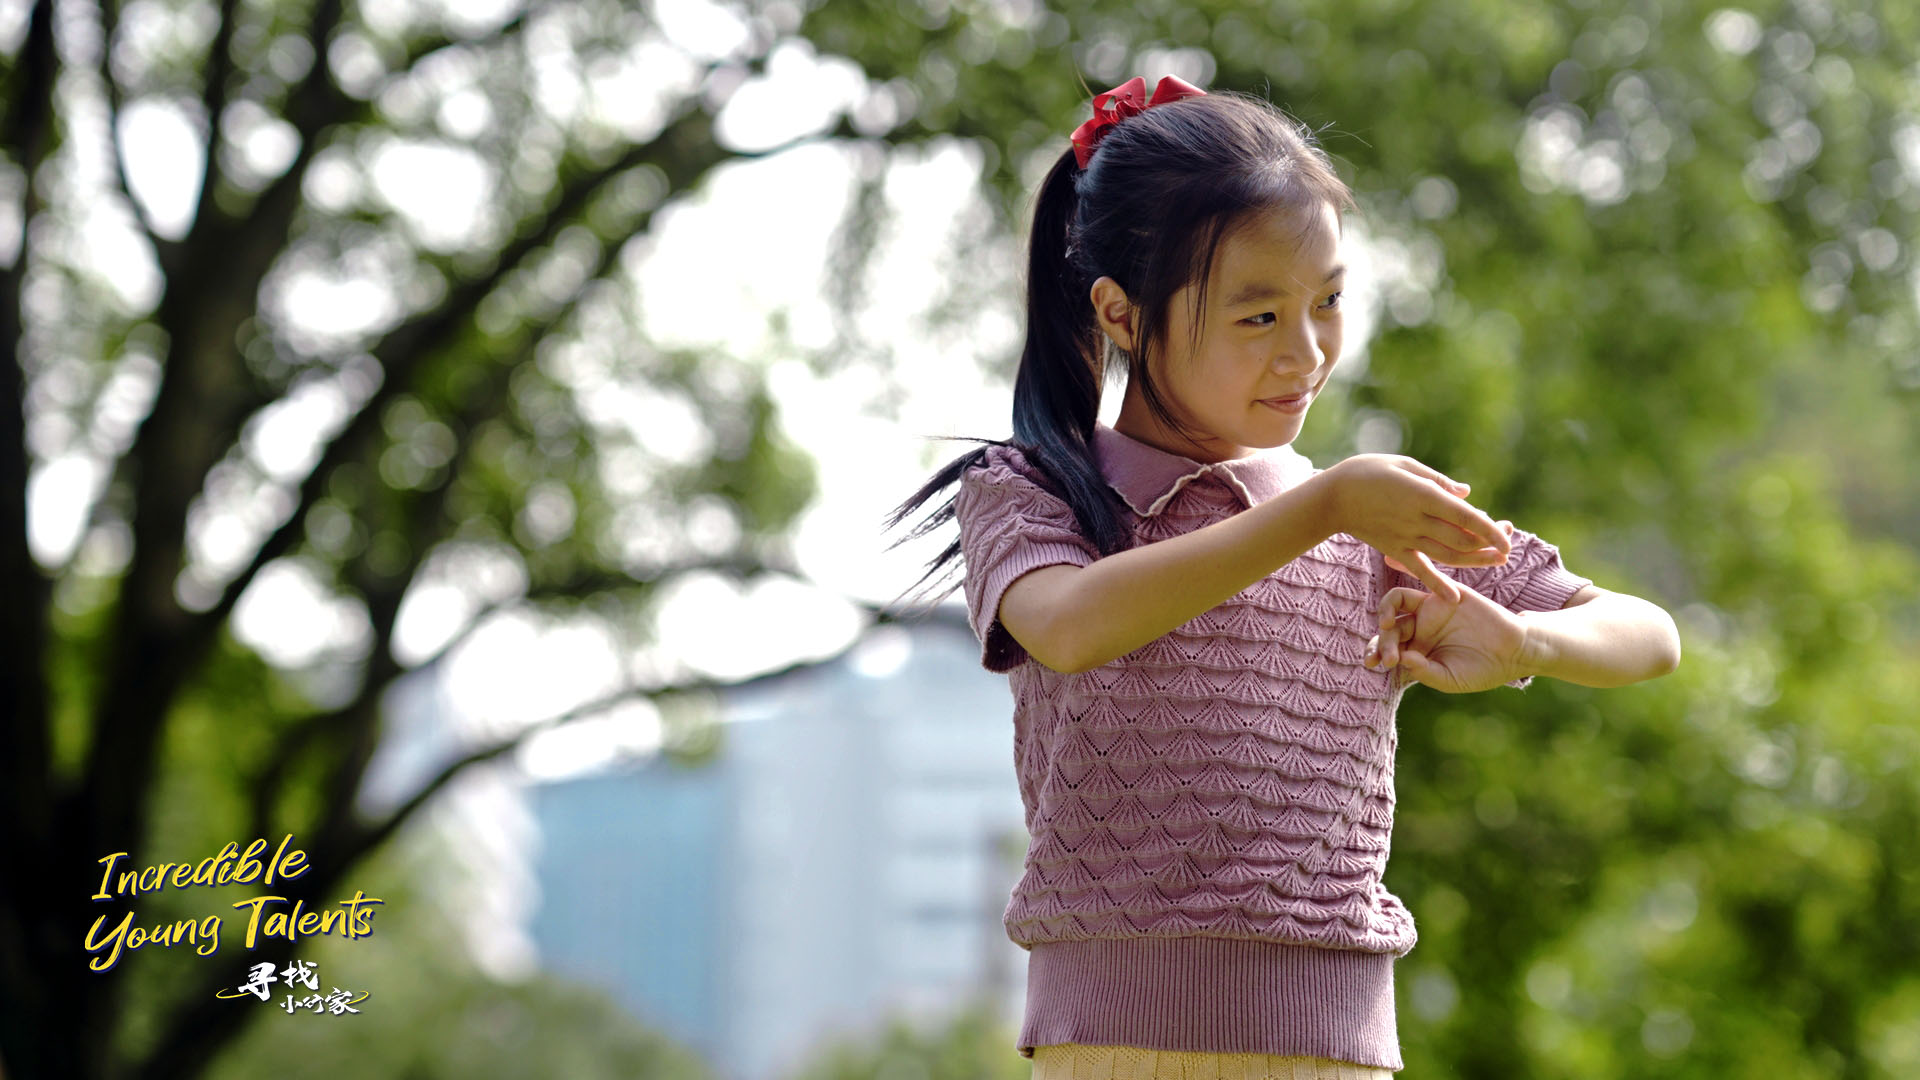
{"x": 1413, "y": 514}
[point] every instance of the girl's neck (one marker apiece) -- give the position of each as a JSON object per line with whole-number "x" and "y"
{"x": 1136, "y": 421}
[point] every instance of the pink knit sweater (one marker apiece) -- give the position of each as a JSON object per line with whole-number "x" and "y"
{"x": 1210, "y": 814}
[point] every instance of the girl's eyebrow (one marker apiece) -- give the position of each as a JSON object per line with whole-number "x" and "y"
{"x": 1261, "y": 290}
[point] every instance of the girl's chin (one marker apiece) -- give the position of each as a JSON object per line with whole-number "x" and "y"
{"x": 1269, "y": 439}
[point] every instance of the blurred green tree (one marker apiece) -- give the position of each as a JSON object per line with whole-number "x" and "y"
{"x": 430, "y": 1015}
{"x": 969, "y": 1045}
{"x": 455, "y": 431}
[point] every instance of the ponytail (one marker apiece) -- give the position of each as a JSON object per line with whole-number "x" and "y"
{"x": 1056, "y": 391}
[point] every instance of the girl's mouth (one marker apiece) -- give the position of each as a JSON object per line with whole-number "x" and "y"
{"x": 1294, "y": 404}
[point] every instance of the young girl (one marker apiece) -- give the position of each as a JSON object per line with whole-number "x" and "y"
{"x": 1206, "y": 636}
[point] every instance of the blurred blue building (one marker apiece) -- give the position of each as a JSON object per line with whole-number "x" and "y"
{"x": 847, "y": 858}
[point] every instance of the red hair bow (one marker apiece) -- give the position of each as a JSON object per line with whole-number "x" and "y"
{"x": 1127, "y": 99}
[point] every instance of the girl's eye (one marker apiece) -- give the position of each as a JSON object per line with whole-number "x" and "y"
{"x": 1330, "y": 303}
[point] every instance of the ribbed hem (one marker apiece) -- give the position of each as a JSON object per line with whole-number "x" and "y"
{"x": 1549, "y": 588}
{"x": 1223, "y": 995}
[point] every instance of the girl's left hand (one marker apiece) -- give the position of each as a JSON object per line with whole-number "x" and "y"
{"x": 1455, "y": 646}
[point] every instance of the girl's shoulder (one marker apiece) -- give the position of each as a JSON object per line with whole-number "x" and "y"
{"x": 1003, "y": 463}
{"x": 1005, "y": 454}
{"x": 1006, "y": 475}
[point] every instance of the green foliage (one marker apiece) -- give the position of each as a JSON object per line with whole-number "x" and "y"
{"x": 487, "y": 413}
{"x": 430, "y": 1015}
{"x": 972, "y": 1045}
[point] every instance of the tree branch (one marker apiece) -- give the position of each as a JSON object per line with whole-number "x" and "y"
{"x": 213, "y": 101}
{"x": 211, "y": 288}
{"x": 360, "y": 717}
{"x": 295, "y": 739}
{"x": 373, "y": 836}
{"x": 428, "y": 45}
{"x": 384, "y": 596}
{"x": 182, "y": 1046}
{"x": 109, "y": 24}
{"x": 171, "y": 254}
{"x": 404, "y": 349}
{"x": 368, "y": 838}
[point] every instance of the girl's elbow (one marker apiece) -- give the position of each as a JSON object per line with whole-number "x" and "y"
{"x": 1667, "y": 661}
{"x": 1056, "y": 647}
{"x": 1061, "y": 662}
{"x": 1655, "y": 651}
{"x": 1070, "y": 652}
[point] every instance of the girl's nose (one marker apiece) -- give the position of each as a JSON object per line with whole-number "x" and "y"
{"x": 1294, "y": 356}
{"x": 1296, "y": 349}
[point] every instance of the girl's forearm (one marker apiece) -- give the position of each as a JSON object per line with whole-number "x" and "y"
{"x": 1612, "y": 640}
{"x": 1115, "y": 605}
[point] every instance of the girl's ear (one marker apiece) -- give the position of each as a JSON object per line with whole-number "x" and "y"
{"x": 1114, "y": 312}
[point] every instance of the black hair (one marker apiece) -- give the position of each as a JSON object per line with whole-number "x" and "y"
{"x": 1163, "y": 188}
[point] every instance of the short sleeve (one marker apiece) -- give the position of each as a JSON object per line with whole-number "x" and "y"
{"x": 1532, "y": 579}
{"x": 1009, "y": 525}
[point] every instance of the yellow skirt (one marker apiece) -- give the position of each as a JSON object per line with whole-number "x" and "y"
{"x": 1077, "y": 1061}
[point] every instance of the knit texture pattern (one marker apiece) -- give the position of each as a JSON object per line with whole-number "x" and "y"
{"x": 1234, "y": 777}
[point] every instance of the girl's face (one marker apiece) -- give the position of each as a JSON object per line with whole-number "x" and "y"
{"x": 1270, "y": 332}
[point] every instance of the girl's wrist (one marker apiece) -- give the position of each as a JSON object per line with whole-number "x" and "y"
{"x": 1537, "y": 649}
{"x": 1322, "y": 502}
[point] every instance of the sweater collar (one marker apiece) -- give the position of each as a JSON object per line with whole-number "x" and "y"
{"x": 1148, "y": 477}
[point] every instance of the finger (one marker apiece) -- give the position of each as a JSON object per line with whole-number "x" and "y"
{"x": 1436, "y": 582}
{"x": 1475, "y": 554}
{"x": 1485, "y": 556}
{"x": 1420, "y": 468}
{"x": 1402, "y": 635}
{"x": 1377, "y": 656}
{"x": 1397, "y": 604}
{"x": 1471, "y": 521}
{"x": 1394, "y": 606}
{"x": 1416, "y": 665}
{"x": 1449, "y": 550}
{"x": 1397, "y": 621}
{"x": 1455, "y": 534}
{"x": 1454, "y": 556}
{"x": 1464, "y": 540}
